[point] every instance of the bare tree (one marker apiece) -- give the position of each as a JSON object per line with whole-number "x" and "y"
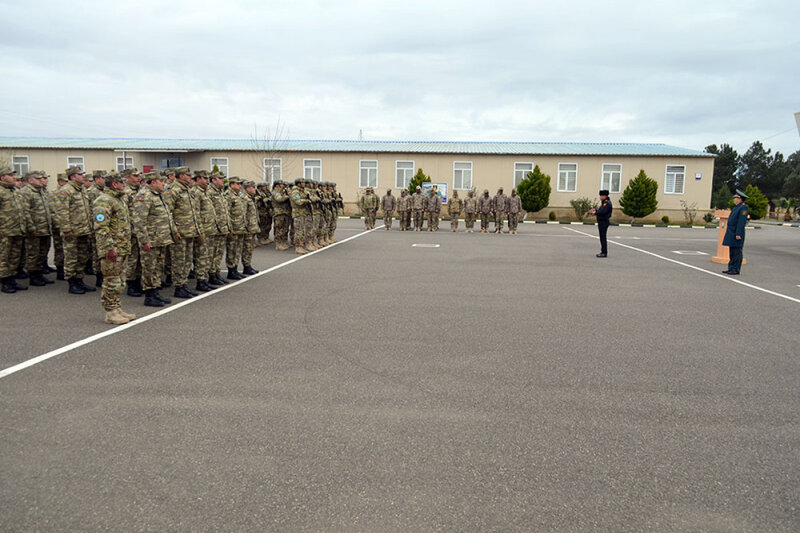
{"x": 270, "y": 156}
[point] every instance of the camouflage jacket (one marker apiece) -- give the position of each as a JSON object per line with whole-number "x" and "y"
{"x": 316, "y": 202}
{"x": 73, "y": 210}
{"x": 12, "y": 212}
{"x": 328, "y": 202}
{"x": 251, "y": 213}
{"x": 369, "y": 202}
{"x": 500, "y": 203}
{"x": 470, "y": 204}
{"x": 237, "y": 211}
{"x": 219, "y": 202}
{"x": 485, "y": 205}
{"x": 93, "y": 192}
{"x": 36, "y": 202}
{"x": 434, "y": 204}
{"x": 514, "y": 204}
{"x": 151, "y": 218}
{"x": 264, "y": 204}
{"x": 280, "y": 202}
{"x": 112, "y": 224}
{"x": 388, "y": 203}
{"x": 454, "y": 206}
{"x": 185, "y": 211}
{"x": 208, "y": 218}
{"x": 404, "y": 204}
{"x": 418, "y": 202}
{"x": 300, "y": 203}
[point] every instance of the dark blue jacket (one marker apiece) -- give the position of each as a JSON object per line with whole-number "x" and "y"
{"x": 603, "y": 213}
{"x": 736, "y": 223}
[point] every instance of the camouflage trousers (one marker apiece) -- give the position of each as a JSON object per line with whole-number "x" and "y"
{"x": 433, "y": 220}
{"x": 233, "y": 250}
{"x": 419, "y": 219}
{"x": 265, "y": 223}
{"x": 485, "y": 221}
{"x": 316, "y": 226}
{"x": 113, "y": 282}
{"x": 332, "y": 221}
{"x": 202, "y": 258}
{"x": 308, "y": 229}
{"x": 282, "y": 228}
{"x": 76, "y": 253}
{"x": 168, "y": 259}
{"x": 58, "y": 249}
{"x": 369, "y": 219}
{"x": 36, "y": 249}
{"x": 216, "y": 245}
{"x": 93, "y": 253}
{"x": 152, "y": 267}
{"x": 10, "y": 255}
{"x": 498, "y": 222}
{"x": 454, "y": 222}
{"x": 134, "y": 267}
{"x": 405, "y": 220}
{"x": 182, "y": 253}
{"x": 248, "y": 245}
{"x": 387, "y": 219}
{"x": 292, "y": 221}
{"x": 513, "y": 220}
{"x": 469, "y": 220}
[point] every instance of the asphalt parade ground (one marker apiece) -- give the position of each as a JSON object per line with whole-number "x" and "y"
{"x": 420, "y": 381}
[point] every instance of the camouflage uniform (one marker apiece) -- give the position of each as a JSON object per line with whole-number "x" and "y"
{"x": 152, "y": 223}
{"x": 252, "y": 230}
{"x": 328, "y": 210}
{"x": 39, "y": 224}
{"x": 58, "y": 243}
{"x": 93, "y": 192}
{"x": 470, "y": 208}
{"x": 282, "y": 214}
{"x": 404, "y": 210}
{"x": 221, "y": 230}
{"x": 514, "y": 210}
{"x": 186, "y": 218}
{"x": 203, "y": 243}
{"x": 316, "y": 217}
{"x": 499, "y": 206}
{"x": 74, "y": 217}
{"x": 369, "y": 206}
{"x": 12, "y": 232}
{"x": 134, "y": 267}
{"x": 301, "y": 210}
{"x": 388, "y": 205}
{"x": 265, "y": 212}
{"x": 433, "y": 207}
{"x": 485, "y": 209}
{"x": 237, "y": 211}
{"x": 418, "y": 203}
{"x": 337, "y": 205}
{"x": 454, "y": 206}
{"x": 112, "y": 229}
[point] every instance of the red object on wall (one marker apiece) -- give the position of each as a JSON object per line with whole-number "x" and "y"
{"x": 147, "y": 168}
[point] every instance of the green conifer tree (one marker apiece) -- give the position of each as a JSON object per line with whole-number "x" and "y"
{"x": 417, "y": 180}
{"x": 534, "y": 190}
{"x": 639, "y": 197}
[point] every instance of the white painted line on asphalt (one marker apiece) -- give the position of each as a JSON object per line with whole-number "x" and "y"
{"x": 423, "y": 245}
{"x": 688, "y": 252}
{"x": 174, "y": 307}
{"x": 722, "y": 276}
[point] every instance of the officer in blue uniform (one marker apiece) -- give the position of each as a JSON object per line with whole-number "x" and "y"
{"x": 734, "y": 233}
{"x": 603, "y": 214}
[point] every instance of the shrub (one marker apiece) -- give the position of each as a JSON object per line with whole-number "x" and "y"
{"x": 708, "y": 218}
{"x": 552, "y": 215}
{"x": 639, "y": 197}
{"x": 689, "y": 211}
{"x": 582, "y": 206}
{"x": 534, "y": 190}
{"x": 665, "y": 219}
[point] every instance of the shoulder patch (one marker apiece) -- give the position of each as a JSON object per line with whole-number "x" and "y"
{"x": 297, "y": 196}
{"x": 100, "y": 217}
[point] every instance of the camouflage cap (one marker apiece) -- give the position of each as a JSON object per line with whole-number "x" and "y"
{"x": 112, "y": 177}
{"x": 168, "y": 171}
{"x": 214, "y": 175}
{"x": 133, "y": 171}
{"x": 6, "y": 170}
{"x": 71, "y": 171}
{"x": 234, "y": 179}
{"x": 182, "y": 170}
{"x": 152, "y": 175}
{"x": 61, "y": 177}
{"x": 98, "y": 174}
{"x": 262, "y": 184}
{"x": 248, "y": 183}
{"x": 200, "y": 174}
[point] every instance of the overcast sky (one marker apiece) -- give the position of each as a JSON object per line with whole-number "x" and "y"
{"x": 678, "y": 72}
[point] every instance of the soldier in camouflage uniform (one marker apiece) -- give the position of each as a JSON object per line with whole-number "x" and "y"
{"x": 169, "y": 183}
{"x": 499, "y": 207}
{"x": 12, "y": 230}
{"x": 251, "y": 236}
{"x": 327, "y": 213}
{"x": 315, "y": 232}
{"x": 237, "y": 211}
{"x": 37, "y": 242}
{"x": 75, "y": 219}
{"x": 208, "y": 227}
{"x": 266, "y": 211}
{"x": 470, "y": 208}
{"x": 221, "y": 230}
{"x": 404, "y": 210}
{"x": 434, "y": 207}
{"x": 133, "y": 274}
{"x": 418, "y": 203}
{"x": 514, "y": 211}
{"x": 485, "y": 209}
{"x": 92, "y": 192}
{"x": 369, "y": 204}
{"x": 112, "y": 230}
{"x": 454, "y": 207}
{"x": 154, "y": 230}
{"x": 186, "y": 217}
{"x": 58, "y": 243}
{"x": 388, "y": 205}
{"x": 282, "y": 213}
{"x": 301, "y": 210}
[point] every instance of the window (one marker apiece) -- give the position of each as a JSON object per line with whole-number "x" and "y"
{"x": 21, "y": 164}
{"x": 404, "y": 171}
{"x": 462, "y": 175}
{"x": 673, "y": 182}
{"x": 521, "y": 171}
{"x": 367, "y": 174}
{"x": 122, "y": 164}
{"x": 272, "y": 170}
{"x": 171, "y": 162}
{"x": 75, "y": 161}
{"x": 222, "y": 165}
{"x": 312, "y": 169}
{"x": 612, "y": 176}
{"x": 567, "y": 177}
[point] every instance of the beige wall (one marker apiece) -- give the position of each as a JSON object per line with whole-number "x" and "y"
{"x": 488, "y": 171}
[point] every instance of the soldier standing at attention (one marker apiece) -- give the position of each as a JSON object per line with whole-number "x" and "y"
{"x": 222, "y": 228}
{"x": 154, "y": 230}
{"x": 74, "y": 216}
{"x": 37, "y": 242}
{"x": 316, "y": 215}
{"x": 282, "y": 213}
{"x": 133, "y": 274}
{"x": 403, "y": 209}
{"x": 251, "y": 216}
{"x": 112, "y": 229}
{"x": 470, "y": 208}
{"x": 734, "y": 233}
{"x": 12, "y": 230}
{"x": 265, "y": 213}
{"x": 300, "y": 208}
{"x": 92, "y": 192}
{"x": 329, "y": 209}
{"x": 603, "y": 214}
{"x": 58, "y": 243}
{"x": 454, "y": 206}
{"x": 338, "y": 209}
{"x": 418, "y": 203}
{"x": 208, "y": 227}
{"x": 434, "y": 207}
{"x": 388, "y": 205}
{"x": 186, "y": 218}
{"x": 499, "y": 207}
{"x": 237, "y": 211}
{"x": 169, "y": 176}
{"x": 514, "y": 210}
{"x": 485, "y": 209}
{"x": 369, "y": 206}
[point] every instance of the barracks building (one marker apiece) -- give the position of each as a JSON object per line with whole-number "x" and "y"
{"x": 576, "y": 169}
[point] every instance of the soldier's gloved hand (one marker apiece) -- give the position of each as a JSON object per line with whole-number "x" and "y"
{"x": 201, "y": 239}
{"x": 111, "y": 255}
{"x": 146, "y": 247}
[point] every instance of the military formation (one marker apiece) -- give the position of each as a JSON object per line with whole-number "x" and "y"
{"x": 498, "y": 209}
{"x": 140, "y": 233}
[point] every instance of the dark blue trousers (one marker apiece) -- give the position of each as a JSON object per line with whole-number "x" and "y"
{"x": 735, "y": 262}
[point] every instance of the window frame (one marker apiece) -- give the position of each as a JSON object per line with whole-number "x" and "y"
{"x": 602, "y": 177}
{"x": 558, "y": 180}
{"x": 360, "y": 168}
{"x": 471, "y": 171}
{"x": 271, "y": 178}
{"x": 82, "y": 164}
{"x": 227, "y": 172}
{"x": 396, "y": 168}
{"x": 683, "y": 187}
{"x": 14, "y": 164}
{"x": 120, "y": 169}
{"x": 514, "y": 178}
{"x": 305, "y": 166}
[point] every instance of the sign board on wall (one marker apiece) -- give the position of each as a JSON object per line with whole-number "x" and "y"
{"x": 440, "y": 188}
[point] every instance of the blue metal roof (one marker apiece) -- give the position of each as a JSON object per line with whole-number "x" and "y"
{"x": 433, "y": 147}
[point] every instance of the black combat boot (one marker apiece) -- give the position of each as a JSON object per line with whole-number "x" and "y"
{"x": 191, "y": 274}
{"x": 162, "y": 298}
{"x": 89, "y": 269}
{"x": 48, "y": 269}
{"x": 234, "y": 274}
{"x": 202, "y": 286}
{"x": 190, "y": 291}
{"x": 133, "y": 290}
{"x": 21, "y": 274}
{"x": 249, "y": 270}
{"x": 181, "y": 292}
{"x": 37, "y": 279}
{"x": 167, "y": 282}
{"x": 151, "y": 299}
{"x": 60, "y": 273}
{"x": 8, "y": 285}
{"x": 75, "y": 287}
{"x": 85, "y": 287}
{"x": 213, "y": 282}
{"x": 217, "y": 280}
{"x": 99, "y": 281}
